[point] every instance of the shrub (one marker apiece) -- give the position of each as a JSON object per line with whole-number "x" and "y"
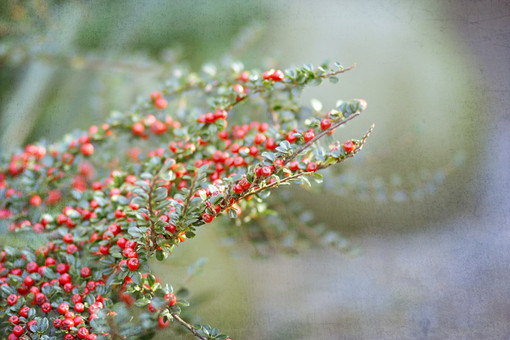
{"x": 106, "y": 201}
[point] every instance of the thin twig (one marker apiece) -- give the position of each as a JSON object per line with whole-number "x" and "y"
{"x": 153, "y": 236}
{"x": 318, "y": 136}
{"x": 322, "y": 166}
{"x": 187, "y": 325}
{"x": 190, "y": 195}
{"x": 261, "y": 89}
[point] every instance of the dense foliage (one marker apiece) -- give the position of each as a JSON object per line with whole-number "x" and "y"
{"x": 106, "y": 201}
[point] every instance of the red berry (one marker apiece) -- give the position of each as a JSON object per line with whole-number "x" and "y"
{"x": 18, "y": 330}
{"x": 23, "y": 290}
{"x": 277, "y": 75}
{"x": 220, "y": 114}
{"x": 85, "y": 272}
{"x": 266, "y": 171}
{"x": 160, "y": 103}
{"x": 294, "y": 165}
{"x": 133, "y": 263}
{"x": 28, "y": 281}
{"x": 151, "y": 308}
{"x": 158, "y": 127}
{"x": 87, "y": 149}
{"x": 349, "y": 146}
{"x": 16, "y": 271}
{"x": 24, "y": 311}
{"x": 239, "y": 88}
{"x": 162, "y": 323}
{"x": 209, "y": 117}
{"x": 39, "y": 298}
{"x": 32, "y": 267}
{"x": 182, "y": 236}
{"x": 325, "y": 124}
{"x": 91, "y": 285}
{"x": 170, "y": 299}
{"x": 67, "y": 324}
{"x": 63, "y": 308}
{"x": 78, "y": 320}
{"x": 254, "y": 151}
{"x": 71, "y": 249}
{"x": 46, "y": 307}
{"x": 93, "y": 308}
{"x": 14, "y": 319}
{"x": 268, "y": 74}
{"x": 68, "y": 287}
{"x": 207, "y": 218}
{"x": 35, "y": 200}
{"x": 77, "y": 298}
{"x": 104, "y": 249}
{"x": 155, "y": 95}
{"x": 259, "y": 138}
{"x": 62, "y": 268}
{"x": 57, "y": 323}
{"x": 138, "y": 129}
{"x": 131, "y": 244}
{"x": 12, "y": 299}
{"x": 312, "y": 166}
{"x": 270, "y": 144}
{"x": 82, "y": 333}
{"x": 170, "y": 228}
{"x": 79, "y": 307}
{"x": 238, "y": 161}
{"x": 309, "y": 135}
{"x": 244, "y": 76}
{"x": 68, "y": 238}
{"x": 223, "y": 135}
{"x": 291, "y": 137}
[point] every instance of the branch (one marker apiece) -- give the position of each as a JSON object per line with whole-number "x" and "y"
{"x": 153, "y": 237}
{"x": 187, "y": 325}
{"x": 322, "y": 166}
{"x": 190, "y": 195}
{"x": 318, "y": 136}
{"x": 288, "y": 86}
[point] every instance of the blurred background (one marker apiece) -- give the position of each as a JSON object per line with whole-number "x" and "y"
{"x": 426, "y": 203}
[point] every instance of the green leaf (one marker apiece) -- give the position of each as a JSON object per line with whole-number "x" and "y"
{"x": 232, "y": 213}
{"x": 318, "y": 178}
{"x": 142, "y": 302}
{"x": 43, "y": 324}
{"x": 160, "y": 256}
{"x": 269, "y": 156}
{"x": 305, "y": 180}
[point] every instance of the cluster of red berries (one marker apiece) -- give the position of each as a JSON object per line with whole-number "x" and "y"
{"x": 158, "y": 100}
{"x": 96, "y": 227}
{"x": 30, "y": 294}
{"x": 211, "y": 117}
{"x": 274, "y": 75}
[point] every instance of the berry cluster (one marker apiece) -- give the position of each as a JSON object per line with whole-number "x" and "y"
{"x": 103, "y": 220}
